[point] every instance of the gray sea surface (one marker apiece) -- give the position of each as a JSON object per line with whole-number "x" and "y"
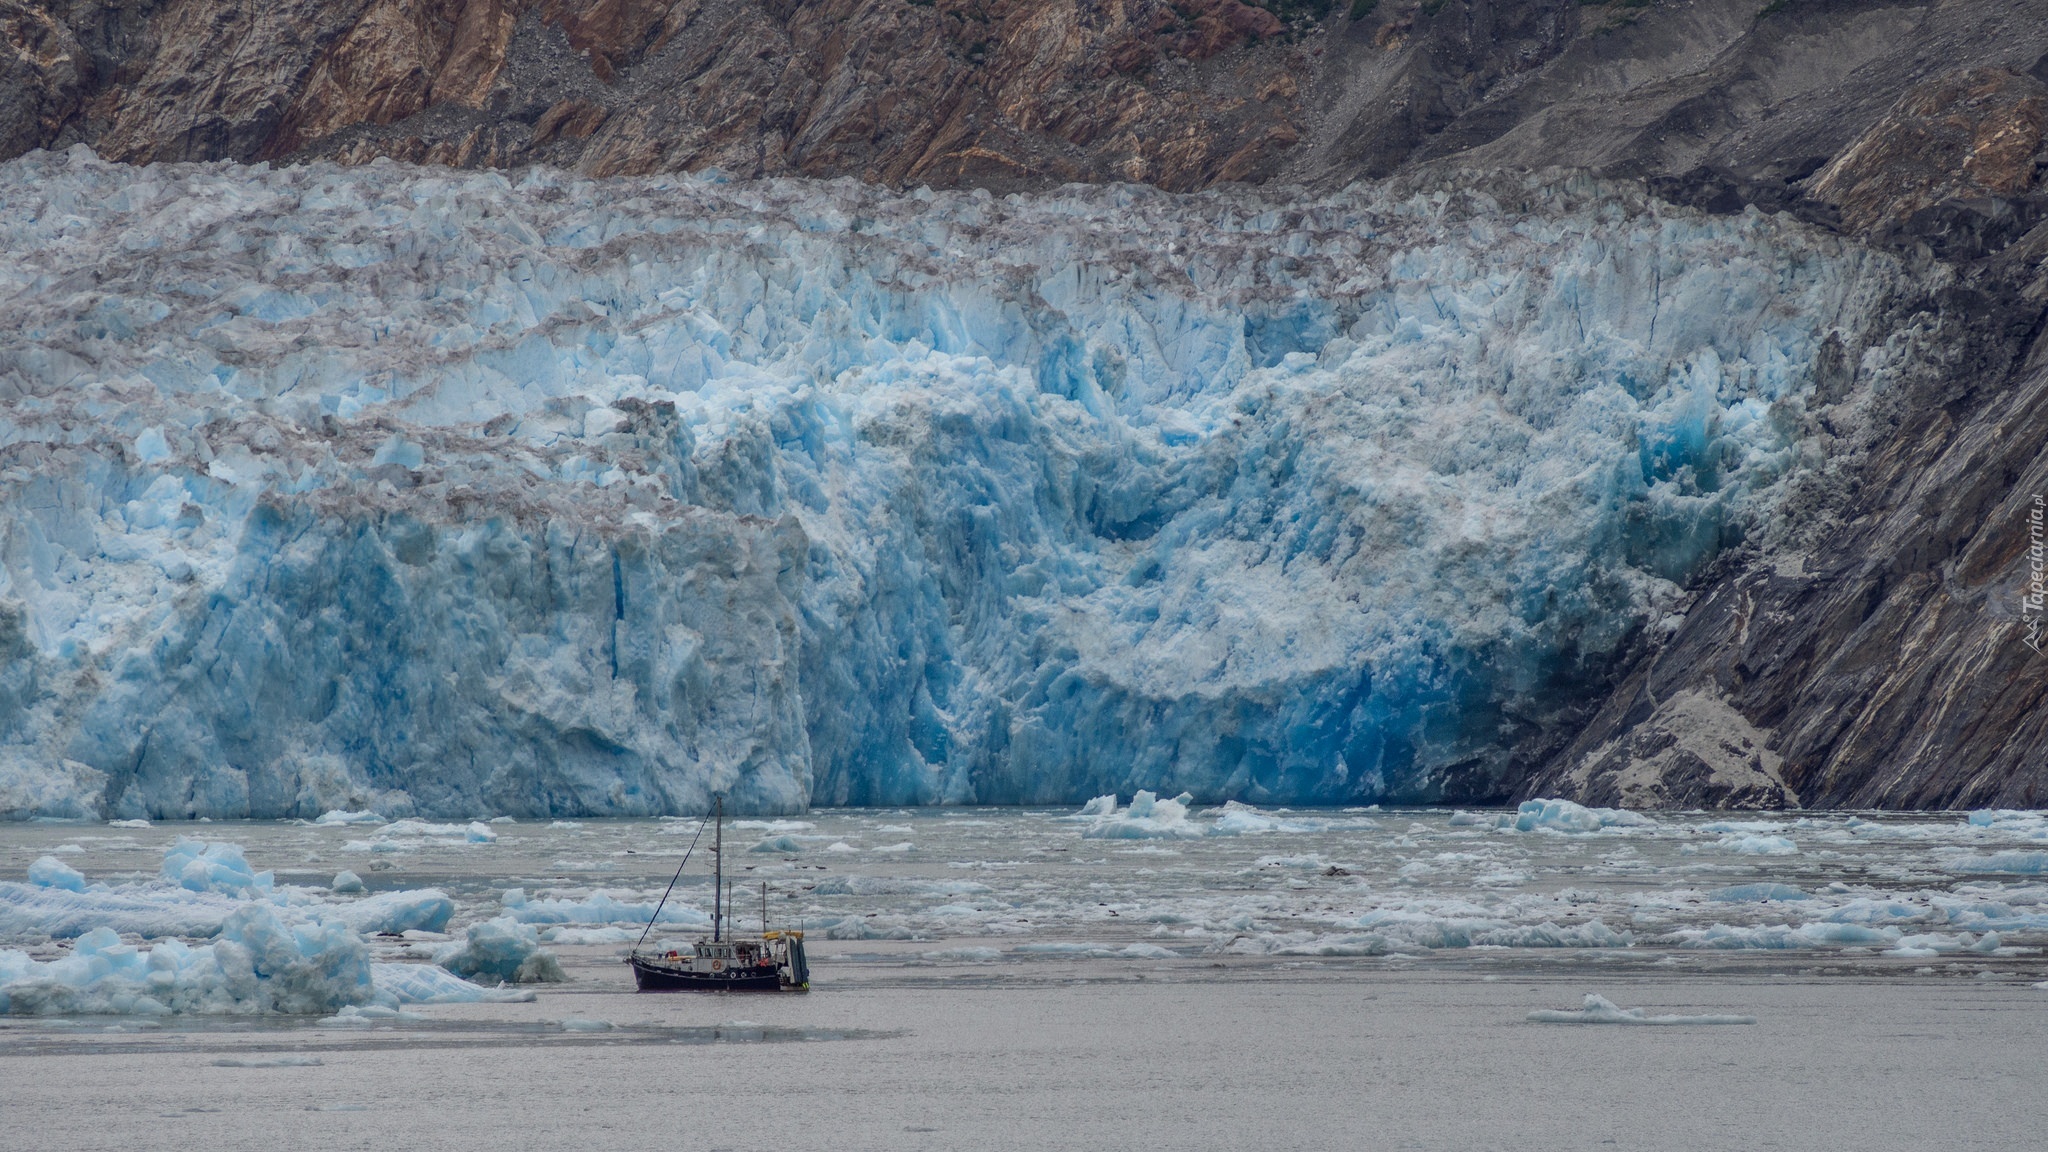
{"x": 1003, "y": 978}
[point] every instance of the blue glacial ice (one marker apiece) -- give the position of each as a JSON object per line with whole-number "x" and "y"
{"x": 430, "y": 493}
{"x": 198, "y": 866}
{"x": 203, "y": 886}
{"x": 50, "y": 872}
{"x": 257, "y": 964}
{"x": 501, "y": 950}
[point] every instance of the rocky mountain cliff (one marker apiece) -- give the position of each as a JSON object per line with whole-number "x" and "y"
{"x": 1883, "y": 651}
{"x": 996, "y": 93}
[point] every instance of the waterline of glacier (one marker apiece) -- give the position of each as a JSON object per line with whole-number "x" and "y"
{"x": 440, "y": 493}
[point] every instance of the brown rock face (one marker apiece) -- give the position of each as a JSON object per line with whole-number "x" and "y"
{"x": 1973, "y": 134}
{"x": 1003, "y": 92}
{"x": 1026, "y": 93}
{"x": 40, "y": 83}
{"x": 1892, "y": 657}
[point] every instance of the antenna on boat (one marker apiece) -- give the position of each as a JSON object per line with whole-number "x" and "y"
{"x": 764, "y": 908}
{"x": 671, "y": 884}
{"x": 718, "y": 857}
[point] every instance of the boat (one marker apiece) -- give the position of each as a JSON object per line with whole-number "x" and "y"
{"x": 771, "y": 962}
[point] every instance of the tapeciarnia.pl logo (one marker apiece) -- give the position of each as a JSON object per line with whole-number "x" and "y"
{"x": 2036, "y": 597}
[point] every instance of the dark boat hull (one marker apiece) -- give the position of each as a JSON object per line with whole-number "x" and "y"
{"x": 661, "y": 978}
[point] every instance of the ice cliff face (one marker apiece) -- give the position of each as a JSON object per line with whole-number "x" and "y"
{"x": 433, "y": 491}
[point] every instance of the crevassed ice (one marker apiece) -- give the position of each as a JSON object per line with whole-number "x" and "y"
{"x": 431, "y": 493}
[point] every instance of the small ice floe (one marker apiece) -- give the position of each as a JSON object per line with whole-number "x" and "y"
{"x": 501, "y": 951}
{"x": 407, "y": 910}
{"x": 598, "y": 908}
{"x": 50, "y": 872}
{"x": 1553, "y": 816}
{"x": 967, "y": 955}
{"x": 1819, "y": 934}
{"x": 367, "y": 1015}
{"x": 1093, "y": 810}
{"x": 474, "y": 832}
{"x": 608, "y": 935}
{"x": 1601, "y": 1010}
{"x": 1940, "y": 943}
{"x": 775, "y": 827}
{"x": 199, "y": 866}
{"x": 127, "y": 823}
{"x": 2008, "y": 863}
{"x": 840, "y": 846}
{"x": 896, "y": 886}
{"x": 339, "y": 816}
{"x": 269, "y": 1062}
{"x": 1238, "y": 819}
{"x": 1750, "y": 844}
{"x": 2028, "y": 824}
{"x": 1565, "y": 816}
{"x": 1096, "y": 951}
{"x": 433, "y": 984}
{"x": 1148, "y": 818}
{"x": 906, "y": 846}
{"x": 580, "y": 1024}
{"x": 346, "y": 883}
{"x": 565, "y": 824}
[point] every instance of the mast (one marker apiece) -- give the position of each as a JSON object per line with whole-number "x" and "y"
{"x": 718, "y": 859}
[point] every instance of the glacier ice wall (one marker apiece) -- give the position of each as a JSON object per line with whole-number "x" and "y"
{"x": 449, "y": 493}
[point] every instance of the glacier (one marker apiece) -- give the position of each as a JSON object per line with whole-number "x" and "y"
{"x": 442, "y": 494}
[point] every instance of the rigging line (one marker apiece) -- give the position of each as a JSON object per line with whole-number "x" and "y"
{"x": 672, "y": 883}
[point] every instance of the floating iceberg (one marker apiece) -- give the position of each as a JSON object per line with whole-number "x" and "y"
{"x": 2010, "y": 863}
{"x": 407, "y": 910}
{"x": 1758, "y": 845}
{"x": 474, "y": 832}
{"x": 198, "y": 866}
{"x": 501, "y": 951}
{"x": 1236, "y": 819}
{"x": 50, "y": 872}
{"x": 257, "y": 964}
{"x": 433, "y": 984}
{"x": 553, "y": 497}
{"x": 1818, "y": 934}
{"x": 1601, "y": 1010}
{"x": 1148, "y": 818}
{"x": 1557, "y": 816}
{"x": 146, "y": 910}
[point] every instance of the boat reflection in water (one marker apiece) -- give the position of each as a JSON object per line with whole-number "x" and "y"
{"x": 771, "y": 962}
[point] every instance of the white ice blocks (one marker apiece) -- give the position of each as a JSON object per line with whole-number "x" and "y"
{"x": 440, "y": 493}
